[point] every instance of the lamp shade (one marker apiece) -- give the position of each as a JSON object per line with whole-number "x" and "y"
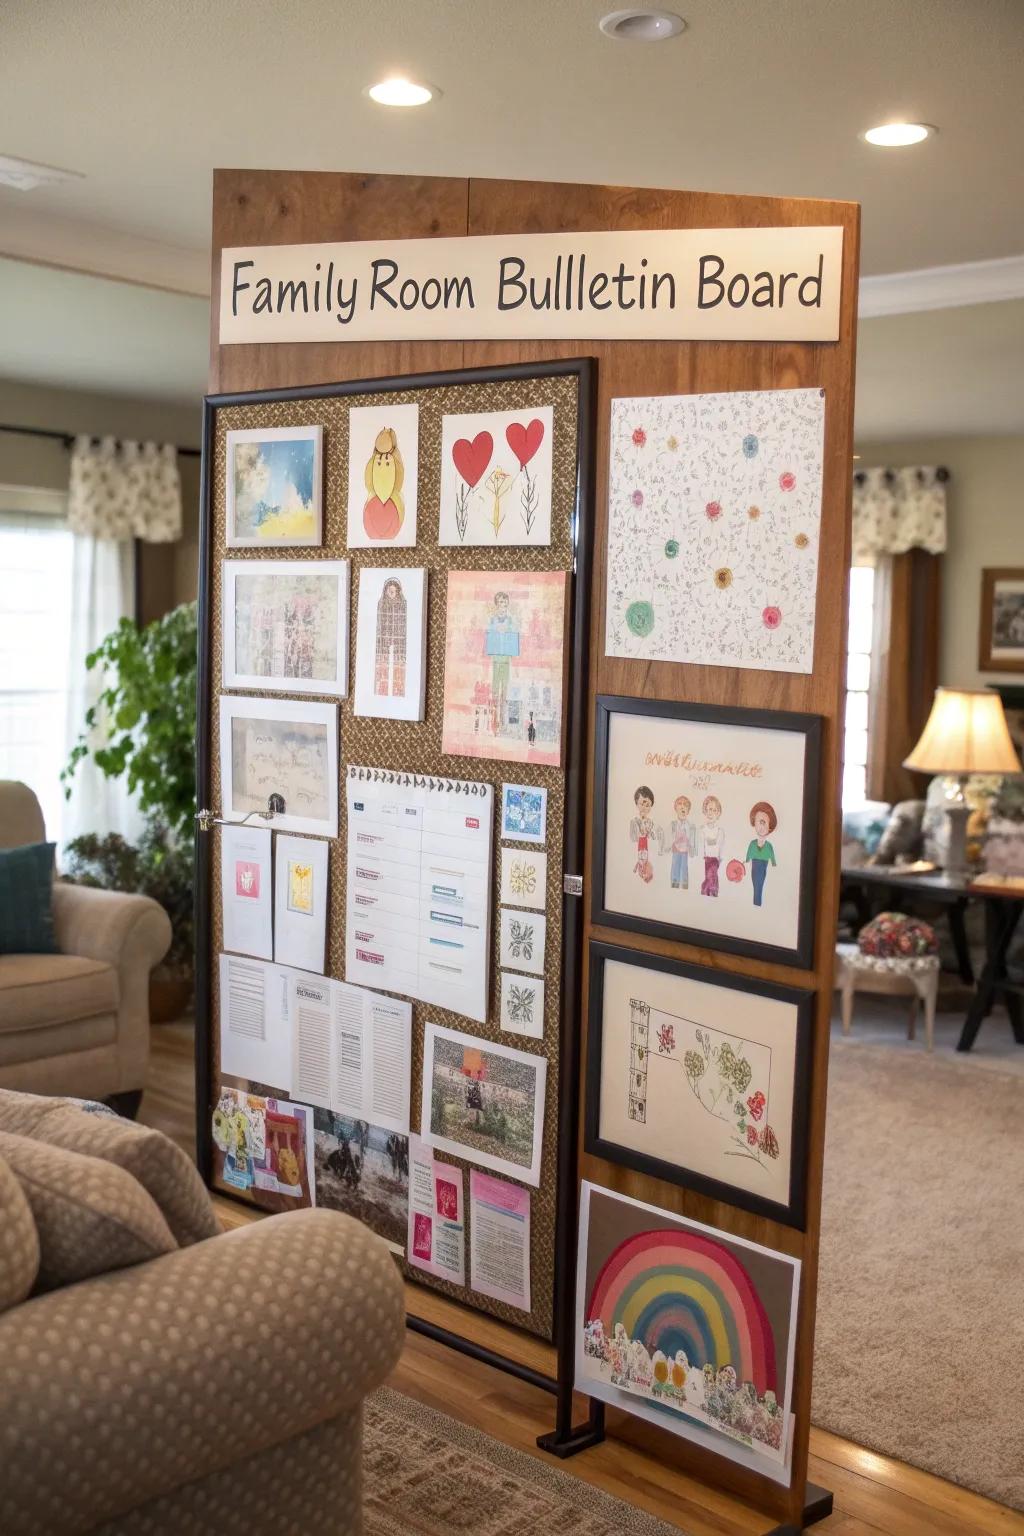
{"x": 965, "y": 733}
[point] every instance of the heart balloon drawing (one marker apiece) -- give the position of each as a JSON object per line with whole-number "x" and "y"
{"x": 472, "y": 458}
{"x": 524, "y": 441}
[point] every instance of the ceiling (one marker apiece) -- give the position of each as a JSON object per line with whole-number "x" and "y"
{"x": 757, "y": 96}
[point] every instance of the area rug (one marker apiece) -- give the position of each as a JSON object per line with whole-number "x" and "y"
{"x": 920, "y": 1336}
{"x": 425, "y": 1474}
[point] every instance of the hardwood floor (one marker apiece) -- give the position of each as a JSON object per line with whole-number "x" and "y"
{"x": 874, "y": 1496}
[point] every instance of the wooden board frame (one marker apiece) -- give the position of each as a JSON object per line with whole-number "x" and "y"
{"x": 793, "y": 1212}
{"x": 809, "y": 726}
{"x": 253, "y": 207}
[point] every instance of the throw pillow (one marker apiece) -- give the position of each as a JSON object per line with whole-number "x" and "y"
{"x": 902, "y": 836}
{"x": 166, "y": 1172}
{"x": 19, "y": 1247}
{"x": 26, "y": 900}
{"x": 90, "y": 1216}
{"x": 894, "y": 936}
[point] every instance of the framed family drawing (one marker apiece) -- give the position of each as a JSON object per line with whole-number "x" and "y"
{"x": 280, "y": 747}
{"x": 714, "y": 511}
{"x": 688, "y": 1327}
{"x": 274, "y": 484}
{"x": 286, "y": 625}
{"x": 705, "y": 826}
{"x": 701, "y": 1078}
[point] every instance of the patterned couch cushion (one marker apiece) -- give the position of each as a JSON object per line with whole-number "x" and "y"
{"x": 163, "y": 1169}
{"x": 91, "y": 1216}
{"x": 19, "y": 1241}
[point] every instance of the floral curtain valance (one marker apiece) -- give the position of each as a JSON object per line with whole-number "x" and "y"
{"x": 125, "y": 491}
{"x": 898, "y": 509}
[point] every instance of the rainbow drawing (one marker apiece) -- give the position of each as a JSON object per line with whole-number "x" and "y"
{"x": 678, "y": 1290}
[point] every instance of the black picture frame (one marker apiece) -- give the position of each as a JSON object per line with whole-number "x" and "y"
{"x": 794, "y": 1212}
{"x": 809, "y": 726}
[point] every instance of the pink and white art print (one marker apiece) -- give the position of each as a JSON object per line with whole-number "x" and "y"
{"x": 714, "y": 513}
{"x": 496, "y": 478}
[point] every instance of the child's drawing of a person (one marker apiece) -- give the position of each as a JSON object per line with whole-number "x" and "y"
{"x": 684, "y": 842}
{"x": 712, "y": 840}
{"x": 760, "y": 852}
{"x": 641, "y": 832}
{"x": 501, "y": 645}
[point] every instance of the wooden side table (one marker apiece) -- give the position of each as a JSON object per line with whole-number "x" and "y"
{"x": 916, "y": 976}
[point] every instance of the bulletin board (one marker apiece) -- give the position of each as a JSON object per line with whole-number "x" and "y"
{"x": 411, "y": 747}
{"x": 265, "y": 208}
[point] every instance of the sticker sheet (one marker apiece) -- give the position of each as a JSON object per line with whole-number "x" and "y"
{"x": 714, "y": 511}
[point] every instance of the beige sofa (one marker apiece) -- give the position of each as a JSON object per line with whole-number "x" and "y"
{"x": 210, "y": 1383}
{"x": 78, "y": 1022}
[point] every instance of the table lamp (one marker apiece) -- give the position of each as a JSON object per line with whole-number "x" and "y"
{"x": 965, "y": 733}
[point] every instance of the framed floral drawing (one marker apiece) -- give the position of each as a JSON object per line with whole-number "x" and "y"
{"x": 701, "y": 1078}
{"x": 286, "y": 625}
{"x": 706, "y": 825}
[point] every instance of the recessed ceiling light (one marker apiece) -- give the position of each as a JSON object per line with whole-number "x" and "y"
{"x": 24, "y": 175}
{"x": 396, "y": 91}
{"x": 898, "y": 135}
{"x": 636, "y": 26}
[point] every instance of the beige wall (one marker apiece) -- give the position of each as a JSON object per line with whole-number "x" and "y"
{"x": 168, "y": 570}
{"x": 986, "y": 528}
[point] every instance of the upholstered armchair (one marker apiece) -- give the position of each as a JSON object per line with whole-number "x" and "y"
{"x": 78, "y": 1021}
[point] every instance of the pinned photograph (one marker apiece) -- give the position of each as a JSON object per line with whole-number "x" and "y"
{"x": 391, "y": 638}
{"x": 496, "y": 471}
{"x": 524, "y": 813}
{"x": 484, "y": 1102}
{"x": 363, "y": 1171}
{"x": 383, "y": 453}
{"x": 274, "y": 486}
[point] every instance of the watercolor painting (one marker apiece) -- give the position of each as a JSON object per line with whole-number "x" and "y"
{"x": 504, "y": 665}
{"x": 699, "y": 1078}
{"x": 496, "y": 469}
{"x": 391, "y": 633}
{"x": 286, "y": 625}
{"x": 383, "y": 465}
{"x": 274, "y": 486}
{"x": 704, "y": 822}
{"x": 524, "y": 813}
{"x": 687, "y": 1326}
{"x": 713, "y": 536}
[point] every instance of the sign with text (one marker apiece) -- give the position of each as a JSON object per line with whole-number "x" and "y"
{"x": 772, "y": 284}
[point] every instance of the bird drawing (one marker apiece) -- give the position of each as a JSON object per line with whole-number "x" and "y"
{"x": 384, "y": 512}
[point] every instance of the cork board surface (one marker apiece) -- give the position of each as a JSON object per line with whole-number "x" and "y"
{"x": 401, "y": 746}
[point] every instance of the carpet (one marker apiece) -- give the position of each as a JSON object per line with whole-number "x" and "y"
{"x": 920, "y": 1334}
{"x": 425, "y": 1474}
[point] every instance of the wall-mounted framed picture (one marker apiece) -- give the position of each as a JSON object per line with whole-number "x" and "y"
{"x": 286, "y": 625}
{"x": 701, "y": 1078}
{"x": 274, "y": 487}
{"x": 1001, "y": 630}
{"x": 284, "y": 747}
{"x": 706, "y": 825}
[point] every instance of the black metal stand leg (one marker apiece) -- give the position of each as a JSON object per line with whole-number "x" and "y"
{"x": 958, "y": 932}
{"x": 817, "y": 1506}
{"x": 1000, "y": 926}
{"x": 570, "y": 1440}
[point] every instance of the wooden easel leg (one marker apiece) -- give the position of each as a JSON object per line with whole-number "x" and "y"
{"x": 570, "y": 1440}
{"x": 817, "y": 1506}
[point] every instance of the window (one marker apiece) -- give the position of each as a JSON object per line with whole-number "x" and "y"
{"x": 858, "y": 683}
{"x": 35, "y": 638}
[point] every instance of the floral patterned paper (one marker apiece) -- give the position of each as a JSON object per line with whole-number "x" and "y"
{"x": 713, "y": 528}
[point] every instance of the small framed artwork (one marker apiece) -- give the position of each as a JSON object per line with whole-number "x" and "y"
{"x": 1001, "y": 634}
{"x": 280, "y": 747}
{"x": 701, "y": 1078}
{"x": 524, "y": 813}
{"x": 391, "y": 641}
{"x": 504, "y": 665}
{"x": 274, "y": 486}
{"x": 496, "y": 478}
{"x": 706, "y": 825}
{"x": 383, "y": 454}
{"x": 286, "y": 625}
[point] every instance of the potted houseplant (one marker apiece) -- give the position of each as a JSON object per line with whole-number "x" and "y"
{"x": 142, "y": 728}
